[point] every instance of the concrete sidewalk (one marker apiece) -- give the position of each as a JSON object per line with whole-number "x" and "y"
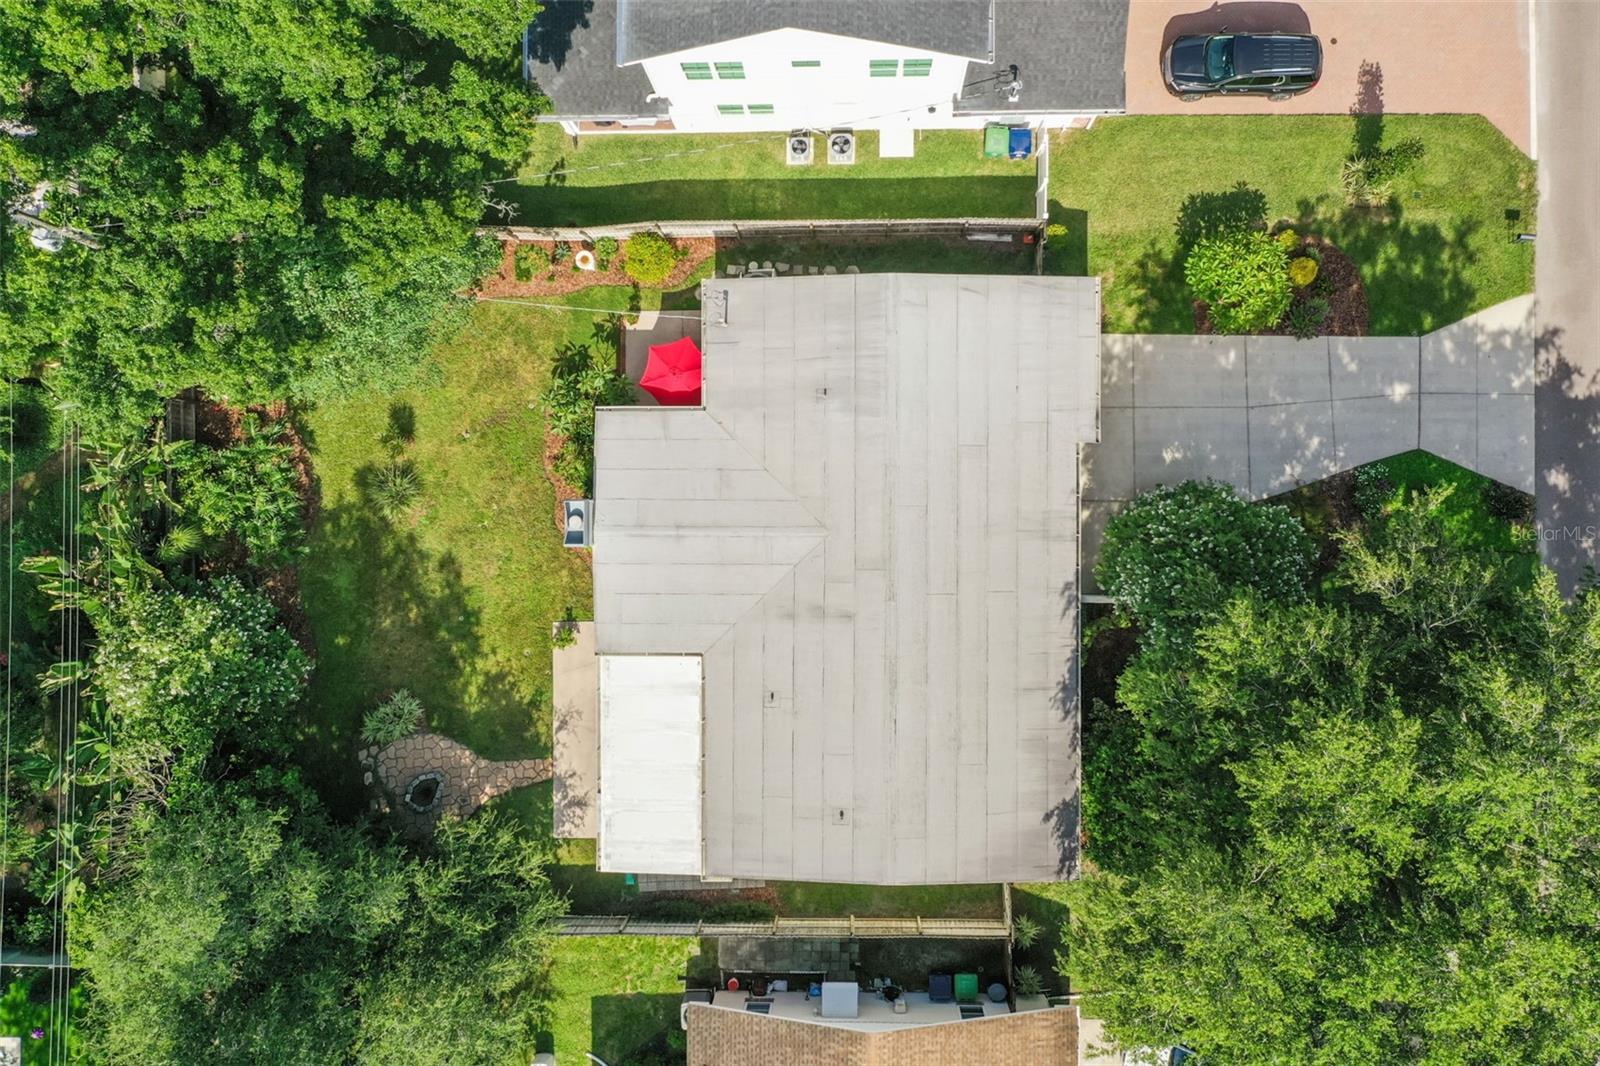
{"x": 1267, "y": 414}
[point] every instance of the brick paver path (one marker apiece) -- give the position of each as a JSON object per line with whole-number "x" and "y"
{"x": 469, "y": 780}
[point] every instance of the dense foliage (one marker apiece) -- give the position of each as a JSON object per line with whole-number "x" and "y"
{"x": 246, "y": 493}
{"x": 252, "y": 929}
{"x": 398, "y": 716}
{"x": 181, "y": 669}
{"x": 585, "y": 377}
{"x": 289, "y": 214}
{"x": 1176, "y": 554}
{"x": 1243, "y": 277}
{"x": 1357, "y": 828}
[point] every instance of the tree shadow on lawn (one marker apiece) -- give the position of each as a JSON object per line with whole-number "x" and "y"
{"x": 1415, "y": 273}
{"x": 633, "y": 1028}
{"x": 822, "y": 197}
{"x": 388, "y": 614}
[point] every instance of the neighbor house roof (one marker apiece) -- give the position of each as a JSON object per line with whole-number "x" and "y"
{"x": 869, "y": 533}
{"x": 570, "y": 52}
{"x": 1069, "y": 57}
{"x": 722, "y": 1037}
{"x": 647, "y": 28}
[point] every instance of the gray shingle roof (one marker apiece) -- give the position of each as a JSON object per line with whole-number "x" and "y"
{"x": 870, "y": 535}
{"x": 569, "y": 52}
{"x": 648, "y": 28}
{"x": 1069, "y": 57}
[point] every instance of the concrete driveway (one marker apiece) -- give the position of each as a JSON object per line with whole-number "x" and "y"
{"x": 1267, "y": 414}
{"x": 1567, "y": 271}
{"x": 1420, "y": 56}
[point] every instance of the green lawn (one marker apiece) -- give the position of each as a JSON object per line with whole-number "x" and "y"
{"x": 617, "y": 996}
{"x": 812, "y": 899}
{"x": 723, "y": 176}
{"x": 455, "y": 600}
{"x": 1441, "y": 250}
{"x": 1045, "y": 903}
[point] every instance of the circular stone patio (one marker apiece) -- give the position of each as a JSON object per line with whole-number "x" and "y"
{"x": 425, "y": 775}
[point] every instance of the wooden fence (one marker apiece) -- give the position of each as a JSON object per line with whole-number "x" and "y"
{"x": 837, "y": 928}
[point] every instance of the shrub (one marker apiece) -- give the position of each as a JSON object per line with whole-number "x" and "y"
{"x": 574, "y": 461}
{"x": 1506, "y": 503}
{"x": 650, "y": 258}
{"x": 1178, "y": 554}
{"x": 585, "y": 378}
{"x": 249, "y": 492}
{"x": 1374, "y": 489}
{"x": 605, "y": 250}
{"x": 398, "y": 716}
{"x": 561, "y": 253}
{"x": 1369, "y": 179}
{"x": 1027, "y": 981}
{"x": 1243, "y": 276}
{"x": 1055, "y": 231}
{"x": 395, "y": 487}
{"x": 179, "y": 542}
{"x": 1302, "y": 271}
{"x": 1306, "y": 316}
{"x": 1288, "y": 239}
{"x": 1024, "y": 931}
{"x": 530, "y": 261}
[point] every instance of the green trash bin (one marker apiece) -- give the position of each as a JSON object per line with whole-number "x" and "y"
{"x": 966, "y": 988}
{"x": 996, "y": 142}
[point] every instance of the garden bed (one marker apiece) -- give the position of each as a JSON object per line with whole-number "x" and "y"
{"x": 561, "y": 279}
{"x": 1338, "y": 283}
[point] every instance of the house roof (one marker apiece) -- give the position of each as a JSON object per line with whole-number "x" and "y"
{"x": 1069, "y": 57}
{"x": 722, "y": 1037}
{"x": 869, "y": 532}
{"x": 647, "y": 28}
{"x": 570, "y": 52}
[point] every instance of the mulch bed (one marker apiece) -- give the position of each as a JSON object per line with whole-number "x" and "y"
{"x": 1338, "y": 281}
{"x": 562, "y": 279}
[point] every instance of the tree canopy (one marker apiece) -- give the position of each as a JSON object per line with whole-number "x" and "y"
{"x": 1358, "y": 828}
{"x": 289, "y": 214}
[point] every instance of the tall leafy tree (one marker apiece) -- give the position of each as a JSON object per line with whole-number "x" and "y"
{"x": 1366, "y": 821}
{"x": 290, "y": 214}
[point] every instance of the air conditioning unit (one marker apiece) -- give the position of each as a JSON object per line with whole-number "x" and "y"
{"x": 842, "y": 147}
{"x": 801, "y": 151}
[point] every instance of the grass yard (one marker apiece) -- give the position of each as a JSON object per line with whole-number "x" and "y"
{"x": 610, "y": 179}
{"x": 1045, "y": 903}
{"x": 1438, "y": 252}
{"x": 618, "y": 997}
{"x": 454, "y": 600}
{"x": 815, "y": 899}
{"x": 926, "y": 255}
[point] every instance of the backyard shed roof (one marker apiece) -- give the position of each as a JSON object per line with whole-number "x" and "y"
{"x": 870, "y": 534}
{"x": 647, "y": 28}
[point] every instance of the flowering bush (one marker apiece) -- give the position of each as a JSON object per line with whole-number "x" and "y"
{"x": 1302, "y": 271}
{"x": 1243, "y": 276}
{"x": 1175, "y": 557}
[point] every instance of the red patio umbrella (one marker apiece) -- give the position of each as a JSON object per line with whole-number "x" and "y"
{"x": 672, "y": 374}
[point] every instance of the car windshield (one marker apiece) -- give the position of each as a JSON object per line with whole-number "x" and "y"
{"x": 1219, "y": 58}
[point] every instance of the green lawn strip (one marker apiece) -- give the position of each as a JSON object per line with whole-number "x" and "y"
{"x": 815, "y": 899}
{"x": 745, "y": 176}
{"x": 455, "y": 600}
{"x": 1045, "y": 903}
{"x": 927, "y": 255}
{"x": 616, "y": 996}
{"x": 1438, "y": 252}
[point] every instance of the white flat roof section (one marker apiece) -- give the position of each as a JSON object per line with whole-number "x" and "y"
{"x": 870, "y": 533}
{"x": 650, "y": 719}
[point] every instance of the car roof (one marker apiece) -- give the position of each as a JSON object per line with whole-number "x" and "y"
{"x": 1275, "y": 53}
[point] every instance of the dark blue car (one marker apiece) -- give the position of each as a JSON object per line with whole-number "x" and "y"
{"x": 1274, "y": 65}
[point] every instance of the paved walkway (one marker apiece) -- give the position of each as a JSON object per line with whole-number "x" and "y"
{"x": 1567, "y": 275}
{"x": 466, "y": 780}
{"x": 1267, "y": 414}
{"x": 576, "y": 733}
{"x": 1420, "y": 56}
{"x": 653, "y": 328}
